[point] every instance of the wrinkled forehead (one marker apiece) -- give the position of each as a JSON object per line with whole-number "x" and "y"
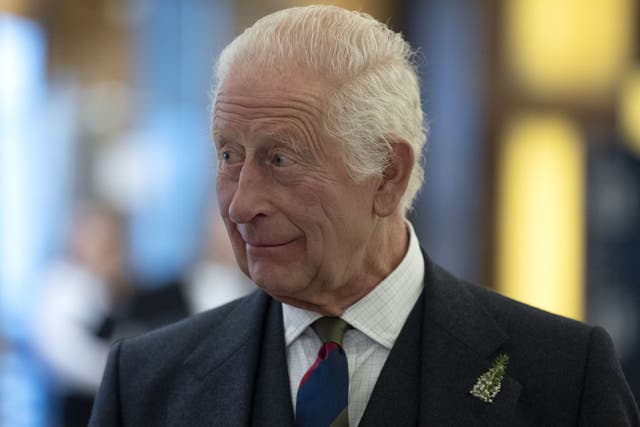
{"x": 254, "y": 95}
{"x": 289, "y": 108}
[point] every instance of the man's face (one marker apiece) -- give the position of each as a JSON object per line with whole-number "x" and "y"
{"x": 298, "y": 223}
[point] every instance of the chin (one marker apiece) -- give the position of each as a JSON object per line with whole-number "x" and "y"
{"x": 277, "y": 284}
{"x": 272, "y": 285}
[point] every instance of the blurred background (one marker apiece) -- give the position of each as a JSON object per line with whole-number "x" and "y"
{"x": 108, "y": 224}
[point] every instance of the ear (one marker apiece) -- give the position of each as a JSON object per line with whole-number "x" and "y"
{"x": 395, "y": 178}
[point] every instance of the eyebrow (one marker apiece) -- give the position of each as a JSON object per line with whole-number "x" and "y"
{"x": 219, "y": 135}
{"x": 286, "y": 137}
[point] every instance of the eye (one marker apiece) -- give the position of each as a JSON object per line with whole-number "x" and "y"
{"x": 280, "y": 160}
{"x": 228, "y": 156}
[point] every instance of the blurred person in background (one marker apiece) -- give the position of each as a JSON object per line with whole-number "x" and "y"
{"x": 319, "y": 131}
{"x": 215, "y": 279}
{"x": 82, "y": 294}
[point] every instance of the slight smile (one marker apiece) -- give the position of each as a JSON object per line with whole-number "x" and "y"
{"x": 266, "y": 246}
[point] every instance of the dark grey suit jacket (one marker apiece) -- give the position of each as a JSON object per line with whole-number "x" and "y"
{"x": 227, "y": 367}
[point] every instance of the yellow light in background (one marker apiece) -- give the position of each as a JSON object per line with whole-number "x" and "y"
{"x": 540, "y": 214}
{"x": 566, "y": 49}
{"x": 16, "y": 7}
{"x": 630, "y": 111}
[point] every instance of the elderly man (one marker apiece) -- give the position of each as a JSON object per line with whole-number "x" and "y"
{"x": 318, "y": 128}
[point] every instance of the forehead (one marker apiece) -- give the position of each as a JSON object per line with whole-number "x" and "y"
{"x": 290, "y": 103}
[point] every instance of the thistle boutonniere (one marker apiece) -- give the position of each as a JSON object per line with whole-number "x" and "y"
{"x": 490, "y": 383}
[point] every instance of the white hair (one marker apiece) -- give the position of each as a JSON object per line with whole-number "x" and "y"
{"x": 375, "y": 97}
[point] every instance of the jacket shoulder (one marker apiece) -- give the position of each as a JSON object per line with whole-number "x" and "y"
{"x": 155, "y": 378}
{"x": 469, "y": 308}
{"x": 168, "y": 346}
{"x": 518, "y": 318}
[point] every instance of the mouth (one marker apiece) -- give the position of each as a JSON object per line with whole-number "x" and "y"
{"x": 267, "y": 244}
{"x": 253, "y": 246}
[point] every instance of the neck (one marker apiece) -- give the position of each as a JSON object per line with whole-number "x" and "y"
{"x": 386, "y": 249}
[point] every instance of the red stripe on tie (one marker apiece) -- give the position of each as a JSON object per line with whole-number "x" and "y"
{"x": 323, "y": 353}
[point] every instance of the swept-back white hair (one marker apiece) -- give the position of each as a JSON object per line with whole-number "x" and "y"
{"x": 374, "y": 97}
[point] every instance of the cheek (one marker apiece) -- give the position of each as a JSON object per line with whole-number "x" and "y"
{"x": 238, "y": 246}
{"x": 323, "y": 247}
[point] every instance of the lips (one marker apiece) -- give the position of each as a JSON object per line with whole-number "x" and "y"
{"x": 260, "y": 244}
{"x": 262, "y": 237}
{"x": 252, "y": 238}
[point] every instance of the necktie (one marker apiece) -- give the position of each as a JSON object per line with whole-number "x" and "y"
{"x": 324, "y": 389}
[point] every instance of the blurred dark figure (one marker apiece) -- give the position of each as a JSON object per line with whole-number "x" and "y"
{"x": 613, "y": 233}
{"x": 83, "y": 292}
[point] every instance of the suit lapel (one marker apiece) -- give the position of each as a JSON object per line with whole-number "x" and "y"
{"x": 459, "y": 343}
{"x": 227, "y": 386}
{"x": 272, "y": 395}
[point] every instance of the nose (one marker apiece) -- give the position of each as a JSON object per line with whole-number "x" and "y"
{"x": 249, "y": 199}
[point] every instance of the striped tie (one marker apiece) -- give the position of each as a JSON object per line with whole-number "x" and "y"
{"x": 324, "y": 390}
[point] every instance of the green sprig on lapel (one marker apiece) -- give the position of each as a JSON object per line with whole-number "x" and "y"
{"x": 490, "y": 383}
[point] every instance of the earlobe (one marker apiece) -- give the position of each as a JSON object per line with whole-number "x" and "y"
{"x": 395, "y": 178}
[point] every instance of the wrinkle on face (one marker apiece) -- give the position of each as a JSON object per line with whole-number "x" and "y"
{"x": 271, "y": 129}
{"x": 300, "y": 109}
{"x": 312, "y": 199}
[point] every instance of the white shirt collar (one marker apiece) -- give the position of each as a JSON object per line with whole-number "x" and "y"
{"x": 382, "y": 312}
